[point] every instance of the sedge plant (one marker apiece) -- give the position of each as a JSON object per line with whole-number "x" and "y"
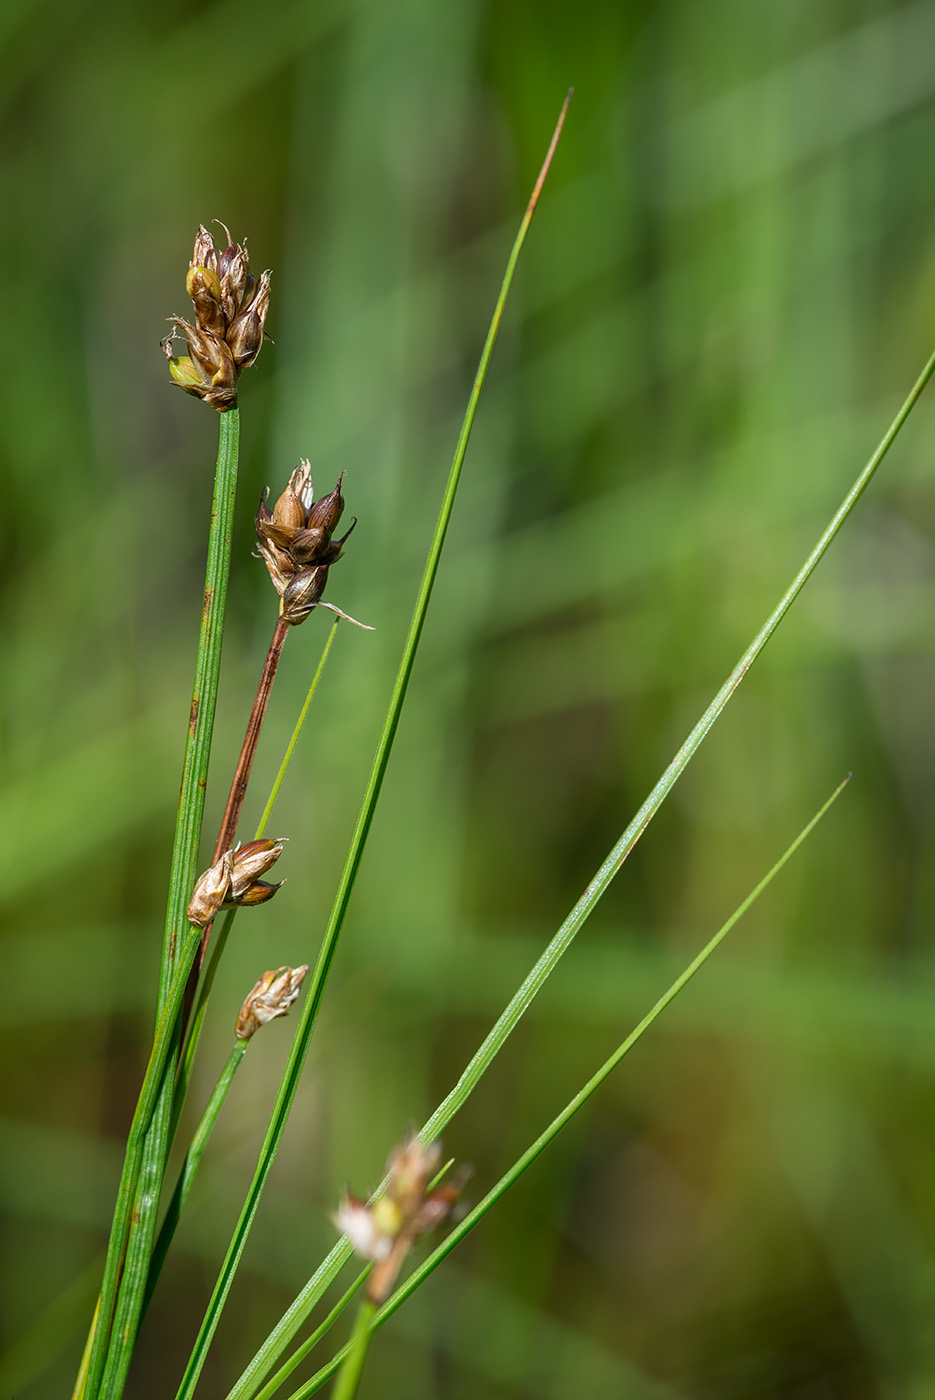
{"x": 298, "y": 542}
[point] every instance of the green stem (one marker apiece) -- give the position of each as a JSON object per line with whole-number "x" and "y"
{"x": 190, "y": 1166}
{"x": 545, "y": 1138}
{"x": 182, "y": 875}
{"x": 204, "y": 691}
{"x": 357, "y": 1349}
{"x": 303, "y": 1035}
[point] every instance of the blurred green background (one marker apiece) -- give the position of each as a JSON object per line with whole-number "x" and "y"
{"x": 728, "y": 289}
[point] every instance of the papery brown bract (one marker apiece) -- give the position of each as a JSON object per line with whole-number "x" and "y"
{"x": 233, "y": 881}
{"x": 272, "y": 996}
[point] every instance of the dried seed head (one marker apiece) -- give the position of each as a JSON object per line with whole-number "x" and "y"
{"x": 234, "y": 880}
{"x": 295, "y": 544}
{"x": 272, "y": 997}
{"x": 384, "y": 1230}
{"x": 230, "y": 315}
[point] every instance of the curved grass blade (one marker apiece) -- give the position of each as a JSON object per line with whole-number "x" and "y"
{"x": 545, "y": 1138}
{"x": 293, "y": 1319}
{"x": 358, "y": 840}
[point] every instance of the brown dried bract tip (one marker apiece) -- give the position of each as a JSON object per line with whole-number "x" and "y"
{"x": 385, "y": 1230}
{"x": 234, "y": 881}
{"x": 230, "y": 314}
{"x": 295, "y": 544}
{"x": 272, "y": 997}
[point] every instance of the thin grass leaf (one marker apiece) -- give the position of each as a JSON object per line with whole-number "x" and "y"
{"x": 358, "y": 840}
{"x": 545, "y": 1138}
{"x": 294, "y": 1318}
{"x": 290, "y": 748}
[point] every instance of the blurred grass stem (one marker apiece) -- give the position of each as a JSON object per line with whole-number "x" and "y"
{"x": 357, "y": 1348}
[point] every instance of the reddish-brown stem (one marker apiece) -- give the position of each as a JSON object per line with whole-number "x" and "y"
{"x": 231, "y": 817}
{"x": 235, "y": 798}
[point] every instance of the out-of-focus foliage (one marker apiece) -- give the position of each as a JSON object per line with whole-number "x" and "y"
{"x": 729, "y": 286}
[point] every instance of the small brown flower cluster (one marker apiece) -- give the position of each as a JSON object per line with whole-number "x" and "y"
{"x": 385, "y": 1230}
{"x": 296, "y": 546}
{"x": 272, "y": 996}
{"x": 230, "y": 311}
{"x": 234, "y": 881}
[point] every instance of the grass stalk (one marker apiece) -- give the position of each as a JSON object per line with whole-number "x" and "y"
{"x": 306, "y": 1026}
{"x": 204, "y": 692}
{"x": 150, "y": 1156}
